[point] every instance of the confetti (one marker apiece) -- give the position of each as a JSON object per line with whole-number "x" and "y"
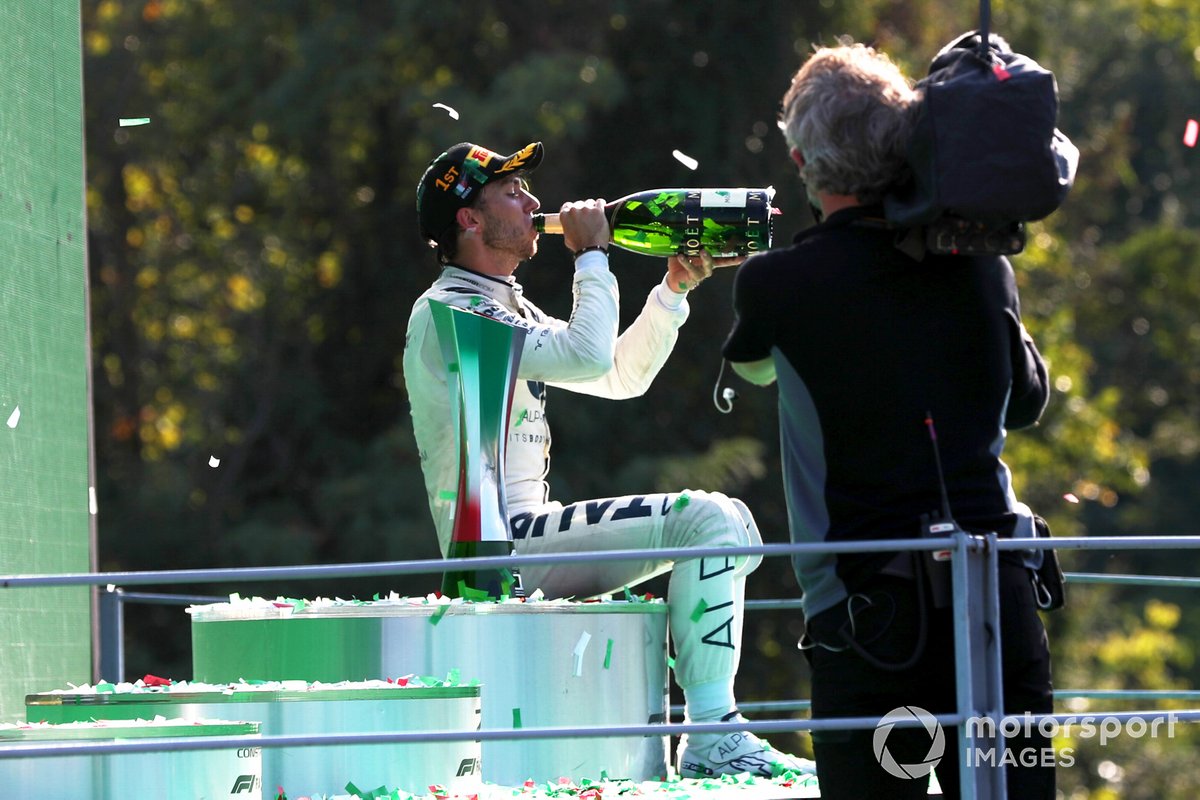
{"x": 1070, "y": 498}
{"x": 453, "y": 114}
{"x": 577, "y": 653}
{"x": 516, "y": 717}
{"x": 93, "y": 506}
{"x": 685, "y": 159}
{"x": 125, "y": 123}
{"x": 1191, "y": 132}
{"x": 698, "y": 612}
{"x": 14, "y": 417}
{"x": 214, "y": 462}
{"x": 681, "y": 502}
{"x": 608, "y": 654}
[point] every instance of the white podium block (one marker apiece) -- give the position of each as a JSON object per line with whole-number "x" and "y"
{"x": 540, "y": 664}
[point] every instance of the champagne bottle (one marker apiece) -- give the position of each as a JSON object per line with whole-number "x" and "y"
{"x": 664, "y": 222}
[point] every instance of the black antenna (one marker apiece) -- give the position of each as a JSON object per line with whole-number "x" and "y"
{"x": 985, "y": 25}
{"x": 937, "y": 460}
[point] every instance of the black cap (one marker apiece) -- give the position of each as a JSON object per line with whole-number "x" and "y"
{"x": 453, "y": 180}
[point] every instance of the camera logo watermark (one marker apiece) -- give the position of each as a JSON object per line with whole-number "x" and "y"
{"x": 994, "y": 750}
{"x": 937, "y": 742}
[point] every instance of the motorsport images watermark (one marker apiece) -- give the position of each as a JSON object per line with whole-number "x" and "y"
{"x": 986, "y": 729}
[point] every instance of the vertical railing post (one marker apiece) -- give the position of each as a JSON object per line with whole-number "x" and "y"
{"x": 112, "y": 634}
{"x": 977, "y": 668}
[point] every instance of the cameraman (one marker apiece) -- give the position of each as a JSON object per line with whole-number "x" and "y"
{"x": 871, "y": 349}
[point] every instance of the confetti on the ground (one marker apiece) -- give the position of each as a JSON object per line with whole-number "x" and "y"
{"x": 685, "y": 159}
{"x": 125, "y": 123}
{"x": 1070, "y": 498}
{"x": 14, "y": 417}
{"x": 214, "y": 462}
{"x": 453, "y": 114}
{"x": 1191, "y": 132}
{"x": 789, "y": 784}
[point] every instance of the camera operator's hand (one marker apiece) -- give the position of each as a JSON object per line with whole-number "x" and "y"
{"x": 584, "y": 224}
{"x": 685, "y": 273}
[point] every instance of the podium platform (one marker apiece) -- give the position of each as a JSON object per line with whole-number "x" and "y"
{"x": 537, "y": 663}
{"x": 296, "y": 707}
{"x": 173, "y": 775}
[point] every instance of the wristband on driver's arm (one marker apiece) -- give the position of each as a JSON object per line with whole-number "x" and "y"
{"x": 590, "y": 248}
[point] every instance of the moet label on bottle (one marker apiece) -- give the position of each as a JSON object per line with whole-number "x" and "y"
{"x": 723, "y": 198}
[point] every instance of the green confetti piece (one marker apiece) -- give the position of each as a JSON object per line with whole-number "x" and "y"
{"x": 608, "y": 654}
{"x": 447, "y": 494}
{"x": 105, "y": 688}
{"x": 472, "y": 594}
{"x": 681, "y": 502}
{"x": 437, "y": 615}
{"x": 670, "y": 662}
{"x": 452, "y": 366}
{"x": 698, "y": 612}
{"x": 516, "y": 717}
{"x": 476, "y": 301}
{"x": 628, "y": 595}
{"x": 453, "y": 677}
{"x": 683, "y": 285}
{"x": 125, "y": 123}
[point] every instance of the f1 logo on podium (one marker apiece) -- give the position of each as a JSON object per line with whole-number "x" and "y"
{"x": 245, "y": 783}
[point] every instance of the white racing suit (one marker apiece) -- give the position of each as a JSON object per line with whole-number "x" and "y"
{"x": 584, "y": 354}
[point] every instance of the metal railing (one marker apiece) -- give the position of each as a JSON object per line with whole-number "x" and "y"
{"x": 974, "y": 562}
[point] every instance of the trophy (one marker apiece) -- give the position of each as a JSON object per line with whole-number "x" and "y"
{"x": 481, "y": 356}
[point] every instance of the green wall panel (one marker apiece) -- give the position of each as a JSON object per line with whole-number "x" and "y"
{"x": 45, "y": 634}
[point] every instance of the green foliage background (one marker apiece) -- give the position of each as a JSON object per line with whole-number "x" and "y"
{"x": 254, "y": 255}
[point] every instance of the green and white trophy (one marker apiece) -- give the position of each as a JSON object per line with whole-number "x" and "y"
{"x": 481, "y": 356}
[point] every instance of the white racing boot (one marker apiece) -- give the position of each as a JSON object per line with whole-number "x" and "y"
{"x": 706, "y": 756}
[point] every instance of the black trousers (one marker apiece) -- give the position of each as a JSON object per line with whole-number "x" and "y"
{"x": 845, "y": 684}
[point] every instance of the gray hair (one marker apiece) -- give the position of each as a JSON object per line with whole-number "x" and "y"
{"x": 848, "y": 113}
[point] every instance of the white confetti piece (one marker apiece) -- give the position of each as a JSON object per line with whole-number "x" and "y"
{"x": 125, "y": 123}
{"x": 214, "y": 462}
{"x": 14, "y": 417}
{"x": 453, "y": 114}
{"x": 93, "y": 506}
{"x": 580, "y": 648}
{"x": 1070, "y": 498}
{"x": 1191, "y": 132}
{"x": 685, "y": 159}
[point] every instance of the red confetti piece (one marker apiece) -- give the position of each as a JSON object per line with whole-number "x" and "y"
{"x": 154, "y": 680}
{"x": 1000, "y": 72}
{"x": 1190, "y": 134}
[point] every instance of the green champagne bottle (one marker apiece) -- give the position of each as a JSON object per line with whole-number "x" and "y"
{"x": 664, "y": 222}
